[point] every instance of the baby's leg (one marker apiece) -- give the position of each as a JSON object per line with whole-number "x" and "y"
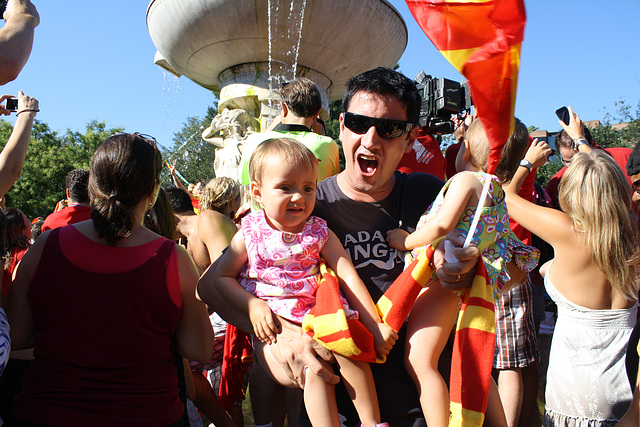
{"x": 431, "y": 320}
{"x": 319, "y": 397}
{"x": 359, "y": 383}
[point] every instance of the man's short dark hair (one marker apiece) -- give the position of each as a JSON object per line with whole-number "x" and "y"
{"x": 633, "y": 164}
{"x": 179, "y": 200}
{"x": 564, "y": 140}
{"x": 385, "y": 81}
{"x": 77, "y": 182}
{"x": 302, "y": 97}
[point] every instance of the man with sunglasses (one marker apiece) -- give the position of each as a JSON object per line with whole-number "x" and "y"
{"x": 361, "y": 204}
{"x": 378, "y": 126}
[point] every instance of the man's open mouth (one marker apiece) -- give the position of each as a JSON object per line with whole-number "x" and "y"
{"x": 368, "y": 164}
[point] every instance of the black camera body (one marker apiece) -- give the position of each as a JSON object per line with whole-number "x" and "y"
{"x": 441, "y": 98}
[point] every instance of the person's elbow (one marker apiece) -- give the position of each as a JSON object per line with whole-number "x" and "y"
{"x": 9, "y": 71}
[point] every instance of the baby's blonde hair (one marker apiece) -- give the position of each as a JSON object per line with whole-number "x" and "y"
{"x": 283, "y": 148}
{"x": 595, "y": 194}
{"x": 512, "y": 152}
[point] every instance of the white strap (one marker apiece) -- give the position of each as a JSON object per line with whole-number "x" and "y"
{"x": 476, "y": 216}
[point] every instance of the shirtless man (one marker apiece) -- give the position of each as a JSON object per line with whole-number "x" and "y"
{"x": 205, "y": 235}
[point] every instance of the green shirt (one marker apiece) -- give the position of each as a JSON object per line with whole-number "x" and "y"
{"x": 323, "y": 147}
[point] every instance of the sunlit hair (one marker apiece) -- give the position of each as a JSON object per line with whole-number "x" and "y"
{"x": 124, "y": 171}
{"x": 282, "y": 148}
{"x": 595, "y": 194}
{"x": 385, "y": 81}
{"x": 219, "y": 195}
{"x": 12, "y": 233}
{"x": 512, "y": 152}
{"x": 302, "y": 97}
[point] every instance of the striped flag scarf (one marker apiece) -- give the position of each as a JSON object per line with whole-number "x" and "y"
{"x": 472, "y": 358}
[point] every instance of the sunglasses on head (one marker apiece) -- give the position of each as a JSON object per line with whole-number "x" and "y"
{"x": 385, "y": 128}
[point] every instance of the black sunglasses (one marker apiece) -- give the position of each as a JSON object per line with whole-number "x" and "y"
{"x": 386, "y": 128}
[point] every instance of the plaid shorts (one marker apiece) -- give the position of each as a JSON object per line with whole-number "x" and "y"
{"x": 516, "y": 339}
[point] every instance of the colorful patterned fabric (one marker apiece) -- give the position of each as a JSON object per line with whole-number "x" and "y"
{"x": 482, "y": 40}
{"x": 283, "y": 267}
{"x": 516, "y": 338}
{"x": 493, "y": 236}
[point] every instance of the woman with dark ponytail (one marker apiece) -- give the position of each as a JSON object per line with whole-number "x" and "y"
{"x": 106, "y": 302}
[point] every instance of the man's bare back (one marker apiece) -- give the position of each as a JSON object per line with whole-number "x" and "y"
{"x": 206, "y": 235}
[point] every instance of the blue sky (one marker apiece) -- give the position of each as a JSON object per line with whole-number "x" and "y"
{"x": 94, "y": 60}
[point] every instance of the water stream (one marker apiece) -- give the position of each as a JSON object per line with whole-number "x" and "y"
{"x": 285, "y": 19}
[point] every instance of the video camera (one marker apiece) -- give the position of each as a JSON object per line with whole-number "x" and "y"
{"x": 441, "y": 98}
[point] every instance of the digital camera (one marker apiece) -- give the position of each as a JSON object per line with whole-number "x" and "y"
{"x": 441, "y": 99}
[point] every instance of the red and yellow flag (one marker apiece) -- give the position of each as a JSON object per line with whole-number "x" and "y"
{"x": 482, "y": 39}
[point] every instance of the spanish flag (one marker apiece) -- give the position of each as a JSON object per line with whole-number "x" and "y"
{"x": 482, "y": 40}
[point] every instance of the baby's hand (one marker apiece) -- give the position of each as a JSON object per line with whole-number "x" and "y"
{"x": 397, "y": 239}
{"x": 266, "y": 325}
{"x": 384, "y": 339}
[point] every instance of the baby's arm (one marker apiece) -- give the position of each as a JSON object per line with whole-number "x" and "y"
{"x": 265, "y": 323}
{"x": 357, "y": 294}
{"x": 458, "y": 196}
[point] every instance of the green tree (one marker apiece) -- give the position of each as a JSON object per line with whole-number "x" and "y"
{"x": 194, "y": 156}
{"x": 48, "y": 160}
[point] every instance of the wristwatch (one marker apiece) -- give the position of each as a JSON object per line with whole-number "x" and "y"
{"x": 580, "y": 141}
{"x": 526, "y": 164}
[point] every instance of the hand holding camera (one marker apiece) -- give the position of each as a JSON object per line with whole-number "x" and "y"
{"x": 21, "y": 104}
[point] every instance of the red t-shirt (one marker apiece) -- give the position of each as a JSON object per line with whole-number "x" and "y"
{"x": 425, "y": 156}
{"x": 619, "y": 154}
{"x": 69, "y": 215}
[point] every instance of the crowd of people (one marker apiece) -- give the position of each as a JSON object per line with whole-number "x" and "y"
{"x": 373, "y": 295}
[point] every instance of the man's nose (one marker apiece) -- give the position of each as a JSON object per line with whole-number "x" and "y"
{"x": 370, "y": 138}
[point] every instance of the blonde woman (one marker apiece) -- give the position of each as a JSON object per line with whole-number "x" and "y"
{"x": 593, "y": 281}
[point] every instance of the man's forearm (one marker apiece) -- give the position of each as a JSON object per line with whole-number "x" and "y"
{"x": 210, "y": 295}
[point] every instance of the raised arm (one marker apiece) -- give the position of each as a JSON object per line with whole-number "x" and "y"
{"x": 357, "y": 294}
{"x": 15, "y": 151}
{"x": 547, "y": 223}
{"x": 575, "y": 130}
{"x": 16, "y": 38}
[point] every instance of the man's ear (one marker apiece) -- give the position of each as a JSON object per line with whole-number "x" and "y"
{"x": 411, "y": 138}
{"x": 255, "y": 192}
{"x": 66, "y": 191}
{"x": 284, "y": 109}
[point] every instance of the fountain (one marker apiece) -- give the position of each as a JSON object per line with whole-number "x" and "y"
{"x": 240, "y": 48}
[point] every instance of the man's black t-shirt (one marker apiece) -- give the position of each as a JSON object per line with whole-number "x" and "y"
{"x": 362, "y": 228}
